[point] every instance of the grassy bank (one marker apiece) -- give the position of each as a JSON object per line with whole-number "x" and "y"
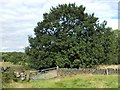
{"x": 6, "y": 64}
{"x": 76, "y": 81}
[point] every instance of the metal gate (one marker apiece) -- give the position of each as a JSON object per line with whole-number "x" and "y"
{"x": 44, "y": 75}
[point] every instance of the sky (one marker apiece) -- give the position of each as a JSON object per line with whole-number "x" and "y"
{"x": 18, "y": 18}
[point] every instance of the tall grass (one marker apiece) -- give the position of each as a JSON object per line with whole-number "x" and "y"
{"x": 79, "y": 81}
{"x": 75, "y": 81}
{"x": 6, "y": 64}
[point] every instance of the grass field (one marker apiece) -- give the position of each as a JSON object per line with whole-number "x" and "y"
{"x": 6, "y": 64}
{"x": 75, "y": 81}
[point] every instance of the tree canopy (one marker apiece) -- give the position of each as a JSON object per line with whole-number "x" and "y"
{"x": 14, "y": 57}
{"x": 69, "y": 37}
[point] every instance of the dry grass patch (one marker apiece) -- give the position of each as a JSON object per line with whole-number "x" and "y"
{"x": 108, "y": 66}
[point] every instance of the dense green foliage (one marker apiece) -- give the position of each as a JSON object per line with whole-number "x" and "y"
{"x": 15, "y": 57}
{"x": 8, "y": 70}
{"x": 8, "y": 76}
{"x": 117, "y": 32}
{"x": 69, "y": 37}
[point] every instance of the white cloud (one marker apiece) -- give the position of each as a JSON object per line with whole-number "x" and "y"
{"x": 112, "y": 23}
{"x": 19, "y": 17}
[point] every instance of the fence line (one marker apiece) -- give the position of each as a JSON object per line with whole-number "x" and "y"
{"x": 106, "y": 71}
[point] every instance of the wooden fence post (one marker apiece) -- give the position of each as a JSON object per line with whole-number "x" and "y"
{"x": 57, "y": 71}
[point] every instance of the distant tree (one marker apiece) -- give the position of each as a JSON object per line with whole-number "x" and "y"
{"x": 117, "y": 37}
{"x": 14, "y": 57}
{"x": 69, "y": 37}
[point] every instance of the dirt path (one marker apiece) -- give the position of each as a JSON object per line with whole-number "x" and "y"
{"x": 47, "y": 75}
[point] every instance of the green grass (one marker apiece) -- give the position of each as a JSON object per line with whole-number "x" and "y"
{"x": 76, "y": 81}
{"x": 14, "y": 66}
{"x": 6, "y": 64}
{"x": 79, "y": 81}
